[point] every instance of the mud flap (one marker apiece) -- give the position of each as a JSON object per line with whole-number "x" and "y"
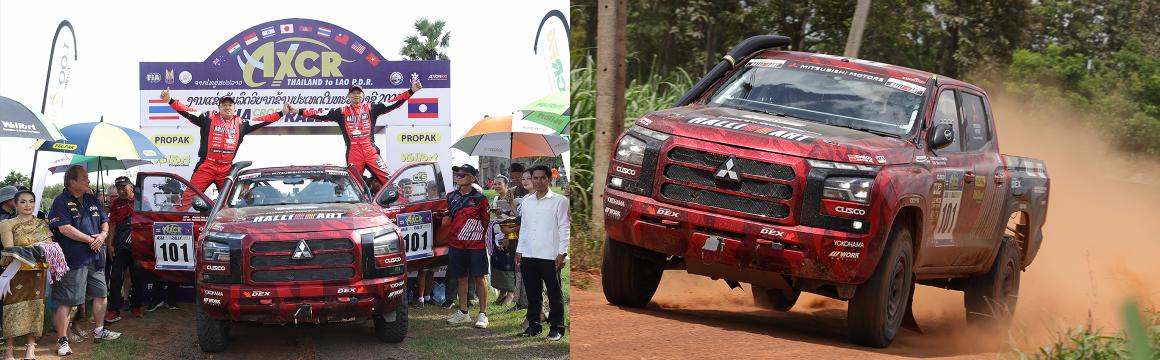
{"x": 908, "y": 321}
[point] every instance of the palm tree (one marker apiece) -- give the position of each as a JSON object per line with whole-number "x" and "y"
{"x": 428, "y": 44}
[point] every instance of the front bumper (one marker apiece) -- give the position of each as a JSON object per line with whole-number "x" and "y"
{"x": 303, "y": 304}
{"x": 772, "y": 256}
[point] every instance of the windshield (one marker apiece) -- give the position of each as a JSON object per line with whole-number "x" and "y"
{"x": 294, "y": 187}
{"x": 823, "y": 94}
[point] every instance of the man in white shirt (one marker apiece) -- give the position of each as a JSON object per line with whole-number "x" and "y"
{"x": 542, "y": 251}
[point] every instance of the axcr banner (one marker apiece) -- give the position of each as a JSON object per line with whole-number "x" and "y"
{"x": 309, "y": 64}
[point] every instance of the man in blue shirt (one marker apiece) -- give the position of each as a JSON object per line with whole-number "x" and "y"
{"x": 80, "y": 225}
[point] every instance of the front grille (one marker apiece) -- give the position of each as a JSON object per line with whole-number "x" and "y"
{"x": 276, "y": 276}
{"x": 748, "y": 186}
{"x": 314, "y": 244}
{"x": 335, "y": 256}
{"x": 746, "y": 166}
{"x": 725, "y": 201}
{"x": 268, "y": 261}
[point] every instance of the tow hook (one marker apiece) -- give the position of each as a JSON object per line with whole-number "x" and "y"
{"x": 301, "y": 308}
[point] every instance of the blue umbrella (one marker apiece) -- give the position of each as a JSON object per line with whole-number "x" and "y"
{"x": 106, "y": 140}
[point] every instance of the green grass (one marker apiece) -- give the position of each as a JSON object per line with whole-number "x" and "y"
{"x": 125, "y": 347}
{"x": 432, "y": 338}
{"x": 1140, "y": 340}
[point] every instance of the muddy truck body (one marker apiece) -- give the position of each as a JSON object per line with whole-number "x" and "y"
{"x": 301, "y": 245}
{"x": 847, "y": 178}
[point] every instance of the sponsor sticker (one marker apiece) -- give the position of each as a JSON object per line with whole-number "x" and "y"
{"x": 766, "y": 63}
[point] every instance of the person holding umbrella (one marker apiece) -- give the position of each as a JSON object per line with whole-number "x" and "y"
{"x": 221, "y": 134}
{"x": 357, "y": 123}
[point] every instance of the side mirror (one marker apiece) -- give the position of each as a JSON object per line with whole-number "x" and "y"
{"x": 200, "y": 205}
{"x": 389, "y": 196}
{"x": 941, "y": 136}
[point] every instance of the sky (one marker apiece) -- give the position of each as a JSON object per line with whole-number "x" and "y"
{"x": 494, "y": 71}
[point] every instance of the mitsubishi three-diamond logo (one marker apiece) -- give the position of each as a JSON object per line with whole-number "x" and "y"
{"x": 302, "y": 251}
{"x": 726, "y": 171}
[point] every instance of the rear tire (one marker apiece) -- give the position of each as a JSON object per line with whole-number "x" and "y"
{"x": 879, "y": 304}
{"x": 392, "y": 332}
{"x": 212, "y": 334}
{"x": 775, "y": 299}
{"x": 990, "y": 298}
{"x": 628, "y": 280}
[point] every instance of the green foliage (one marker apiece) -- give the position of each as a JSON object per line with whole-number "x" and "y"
{"x": 430, "y": 42}
{"x": 1139, "y": 341}
{"x": 15, "y": 178}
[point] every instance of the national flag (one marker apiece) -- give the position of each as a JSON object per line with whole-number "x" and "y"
{"x": 358, "y": 47}
{"x": 234, "y": 48}
{"x": 423, "y": 108}
{"x": 323, "y": 32}
{"x": 287, "y": 28}
{"x": 217, "y": 61}
{"x": 304, "y": 28}
{"x": 160, "y": 110}
{"x": 268, "y": 32}
{"x": 342, "y": 38}
{"x": 374, "y": 60}
{"x": 251, "y": 38}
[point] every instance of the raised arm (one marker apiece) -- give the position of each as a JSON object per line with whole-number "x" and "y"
{"x": 382, "y": 108}
{"x": 185, "y": 111}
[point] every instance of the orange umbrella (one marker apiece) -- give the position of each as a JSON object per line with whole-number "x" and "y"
{"x": 504, "y": 136}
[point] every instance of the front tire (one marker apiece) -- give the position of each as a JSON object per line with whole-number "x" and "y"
{"x": 775, "y": 299}
{"x": 878, "y": 306}
{"x": 628, "y": 280}
{"x": 395, "y": 331}
{"x": 990, "y": 298}
{"x": 212, "y": 334}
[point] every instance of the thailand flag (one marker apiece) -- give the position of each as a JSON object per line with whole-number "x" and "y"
{"x": 423, "y": 108}
{"x": 324, "y": 32}
{"x": 160, "y": 110}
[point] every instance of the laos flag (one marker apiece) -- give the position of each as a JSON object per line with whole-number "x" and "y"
{"x": 423, "y": 108}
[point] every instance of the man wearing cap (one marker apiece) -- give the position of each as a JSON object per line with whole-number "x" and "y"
{"x": 221, "y": 134}
{"x": 120, "y": 215}
{"x": 357, "y": 123}
{"x": 467, "y": 210}
{"x": 7, "y": 202}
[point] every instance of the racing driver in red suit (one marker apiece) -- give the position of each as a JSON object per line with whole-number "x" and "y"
{"x": 357, "y": 123}
{"x": 221, "y": 134}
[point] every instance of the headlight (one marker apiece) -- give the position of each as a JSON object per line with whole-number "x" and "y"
{"x": 630, "y": 150}
{"x": 849, "y": 189}
{"x": 387, "y": 243}
{"x": 225, "y": 236}
{"x": 215, "y": 251}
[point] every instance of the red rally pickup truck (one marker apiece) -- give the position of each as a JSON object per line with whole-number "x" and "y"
{"x": 842, "y": 177}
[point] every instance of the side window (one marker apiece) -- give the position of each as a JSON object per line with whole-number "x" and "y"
{"x": 976, "y": 129}
{"x": 160, "y": 193}
{"x": 418, "y": 184}
{"x": 947, "y": 112}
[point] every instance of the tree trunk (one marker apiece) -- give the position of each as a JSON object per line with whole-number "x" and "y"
{"x": 610, "y": 79}
{"x": 854, "y": 39}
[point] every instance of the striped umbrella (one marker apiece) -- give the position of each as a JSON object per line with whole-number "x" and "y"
{"x": 97, "y": 163}
{"x": 503, "y": 136}
{"x": 551, "y": 111}
{"x": 104, "y": 139}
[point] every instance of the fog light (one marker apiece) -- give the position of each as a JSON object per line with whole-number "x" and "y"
{"x": 616, "y": 182}
{"x": 857, "y": 225}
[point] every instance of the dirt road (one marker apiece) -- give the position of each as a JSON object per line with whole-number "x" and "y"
{"x": 1098, "y": 251}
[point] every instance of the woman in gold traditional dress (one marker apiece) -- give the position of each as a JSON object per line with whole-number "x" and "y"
{"x": 24, "y": 307}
